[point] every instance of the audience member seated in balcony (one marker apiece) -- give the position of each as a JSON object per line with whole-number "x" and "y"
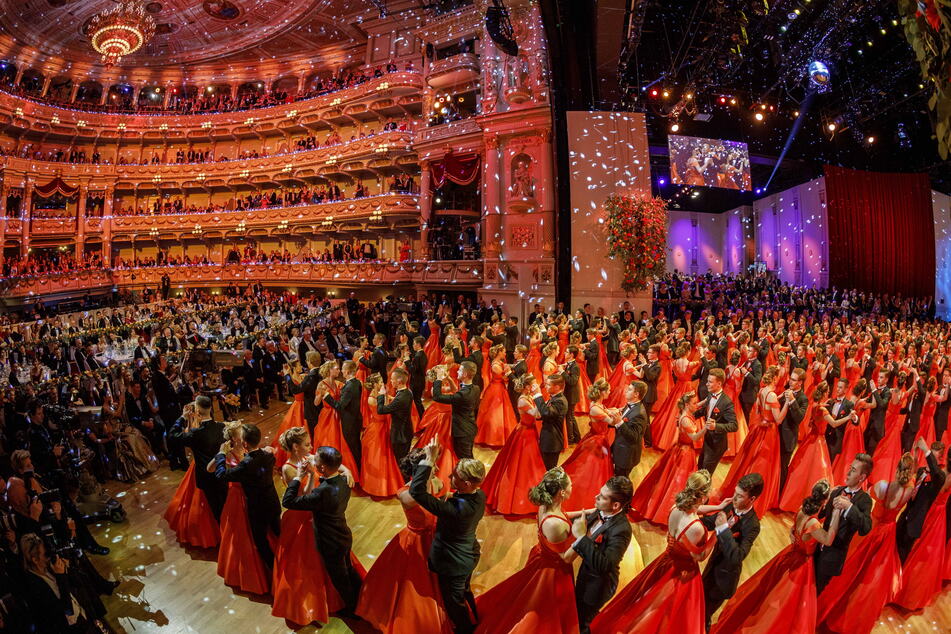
{"x": 49, "y": 262}
{"x": 402, "y": 183}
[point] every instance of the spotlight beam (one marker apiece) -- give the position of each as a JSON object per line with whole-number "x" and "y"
{"x": 803, "y": 111}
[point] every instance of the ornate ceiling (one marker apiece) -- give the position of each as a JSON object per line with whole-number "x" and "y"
{"x": 189, "y": 32}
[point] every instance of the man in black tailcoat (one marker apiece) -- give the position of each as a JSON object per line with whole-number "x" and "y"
{"x": 592, "y": 355}
{"x": 465, "y": 404}
{"x": 798, "y": 403}
{"x": 551, "y": 439}
{"x": 399, "y": 409}
{"x": 203, "y": 435}
{"x": 518, "y": 369}
{"x": 929, "y": 482}
{"x": 572, "y": 375}
{"x": 348, "y": 406}
{"x": 875, "y": 428}
{"x": 416, "y": 366}
{"x": 629, "y": 432}
{"x": 719, "y": 419}
{"x": 839, "y": 407}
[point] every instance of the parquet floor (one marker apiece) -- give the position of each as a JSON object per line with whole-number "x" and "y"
{"x": 168, "y": 589}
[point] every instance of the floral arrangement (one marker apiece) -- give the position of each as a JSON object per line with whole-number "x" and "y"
{"x": 636, "y": 228}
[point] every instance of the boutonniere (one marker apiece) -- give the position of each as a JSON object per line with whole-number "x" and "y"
{"x": 716, "y": 410}
{"x": 599, "y": 539}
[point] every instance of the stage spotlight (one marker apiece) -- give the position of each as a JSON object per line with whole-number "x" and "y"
{"x": 662, "y": 181}
{"x": 689, "y": 96}
{"x": 831, "y": 127}
{"x": 870, "y": 140}
{"x": 666, "y": 94}
{"x": 758, "y": 116}
{"x": 675, "y": 127}
{"x": 819, "y": 76}
{"x": 654, "y": 92}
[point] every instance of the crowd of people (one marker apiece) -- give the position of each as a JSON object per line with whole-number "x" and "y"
{"x": 832, "y": 415}
{"x": 212, "y": 101}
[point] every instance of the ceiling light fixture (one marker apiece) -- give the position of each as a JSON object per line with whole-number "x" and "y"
{"x": 120, "y": 31}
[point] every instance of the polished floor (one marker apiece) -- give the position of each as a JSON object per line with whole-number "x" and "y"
{"x": 166, "y": 588}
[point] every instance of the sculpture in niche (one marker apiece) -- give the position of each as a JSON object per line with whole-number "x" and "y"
{"x": 522, "y": 187}
{"x": 517, "y": 79}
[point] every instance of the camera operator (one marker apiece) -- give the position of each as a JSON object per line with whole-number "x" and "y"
{"x": 168, "y": 406}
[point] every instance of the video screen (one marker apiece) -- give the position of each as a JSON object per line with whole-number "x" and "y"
{"x": 709, "y": 162}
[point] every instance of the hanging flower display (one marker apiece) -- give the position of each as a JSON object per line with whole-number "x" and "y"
{"x": 636, "y": 229}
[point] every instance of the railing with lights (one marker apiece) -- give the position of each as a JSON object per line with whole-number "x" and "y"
{"x": 465, "y": 273}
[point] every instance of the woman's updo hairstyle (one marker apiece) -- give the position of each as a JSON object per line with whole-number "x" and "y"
{"x": 372, "y": 381}
{"x": 598, "y": 389}
{"x": 817, "y": 499}
{"x": 291, "y": 437}
{"x": 495, "y": 350}
{"x": 821, "y": 391}
{"x": 905, "y": 470}
{"x": 325, "y": 369}
{"x": 554, "y": 481}
{"x": 695, "y": 491}
{"x": 550, "y": 349}
{"x": 232, "y": 429}
{"x": 684, "y": 400}
{"x": 524, "y": 381}
{"x": 682, "y": 350}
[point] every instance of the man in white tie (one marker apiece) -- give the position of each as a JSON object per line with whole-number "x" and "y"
{"x": 719, "y": 420}
{"x": 629, "y": 431}
{"x": 840, "y": 408}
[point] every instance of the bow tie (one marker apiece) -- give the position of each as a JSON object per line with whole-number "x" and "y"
{"x": 848, "y": 493}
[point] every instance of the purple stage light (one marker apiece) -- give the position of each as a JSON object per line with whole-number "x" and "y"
{"x": 662, "y": 182}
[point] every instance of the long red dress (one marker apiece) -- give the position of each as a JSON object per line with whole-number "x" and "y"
{"x": 533, "y": 362}
{"x": 538, "y": 599}
{"x": 293, "y": 418}
{"x": 583, "y": 404}
{"x": 732, "y": 388}
{"x": 780, "y": 597}
{"x": 926, "y": 425}
{"x": 665, "y": 382}
{"x": 380, "y": 476}
{"x": 667, "y": 596}
{"x": 437, "y": 423}
{"x": 621, "y": 377}
{"x": 432, "y": 348}
{"x": 303, "y": 591}
{"x": 495, "y": 419}
{"x": 190, "y": 516}
{"x": 239, "y": 563}
{"x": 853, "y": 442}
{"x": 590, "y": 465}
{"x": 923, "y": 571}
{"x": 562, "y": 343}
{"x": 486, "y": 362}
{"x": 888, "y": 451}
{"x": 759, "y": 454}
{"x": 810, "y": 464}
{"x": 664, "y": 419}
{"x": 604, "y": 366}
{"x": 870, "y": 578}
{"x": 328, "y": 432}
{"x": 655, "y": 494}
{"x": 516, "y": 469}
{"x": 400, "y": 593}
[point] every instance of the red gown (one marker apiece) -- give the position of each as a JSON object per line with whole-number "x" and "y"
{"x": 432, "y": 349}
{"x": 733, "y": 387}
{"x": 621, "y": 377}
{"x": 604, "y": 366}
{"x": 293, "y": 418}
{"x": 667, "y": 596}
{"x": 923, "y": 571}
{"x": 590, "y": 465}
{"x": 533, "y": 362}
{"x": 810, "y": 464}
{"x": 888, "y": 451}
{"x": 853, "y": 442}
{"x": 538, "y": 599}
{"x": 665, "y": 383}
{"x": 583, "y": 404}
{"x": 780, "y": 597}
{"x": 400, "y": 593}
{"x": 437, "y": 423}
{"x": 239, "y": 563}
{"x": 664, "y": 419}
{"x": 562, "y": 344}
{"x": 654, "y": 497}
{"x": 926, "y": 426}
{"x": 870, "y": 578}
{"x": 328, "y": 432}
{"x": 190, "y": 516}
{"x": 303, "y": 591}
{"x": 486, "y": 363}
{"x": 759, "y": 454}
{"x": 516, "y": 469}
{"x": 495, "y": 419}
{"x": 379, "y": 473}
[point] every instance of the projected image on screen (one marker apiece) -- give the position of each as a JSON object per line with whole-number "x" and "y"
{"x": 709, "y": 162}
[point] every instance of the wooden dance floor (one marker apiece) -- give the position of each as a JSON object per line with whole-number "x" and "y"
{"x": 166, "y": 588}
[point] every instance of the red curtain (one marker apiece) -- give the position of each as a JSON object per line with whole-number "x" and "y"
{"x": 54, "y": 186}
{"x": 462, "y": 170}
{"x": 881, "y": 231}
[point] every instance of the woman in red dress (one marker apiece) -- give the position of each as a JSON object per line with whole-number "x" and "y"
{"x": 379, "y": 475}
{"x": 926, "y": 423}
{"x": 563, "y": 329}
{"x": 486, "y": 359}
{"x": 190, "y": 516}
{"x": 295, "y": 413}
{"x": 550, "y": 365}
{"x": 888, "y": 451}
{"x": 604, "y": 366}
{"x": 590, "y": 465}
{"x": 539, "y": 598}
{"x": 519, "y": 464}
{"x": 402, "y": 357}
{"x": 400, "y": 593}
{"x": 854, "y": 366}
{"x": 922, "y": 573}
{"x": 667, "y": 596}
{"x": 582, "y": 406}
{"x": 733, "y": 386}
{"x": 622, "y": 376}
{"x": 239, "y": 563}
{"x": 432, "y": 348}
{"x": 303, "y": 591}
{"x": 328, "y": 431}
{"x": 760, "y": 450}
{"x": 655, "y": 495}
{"x": 437, "y": 422}
{"x": 533, "y": 362}
{"x": 871, "y": 577}
{"x": 781, "y": 596}
{"x": 853, "y": 440}
{"x": 664, "y": 419}
{"x": 811, "y": 462}
{"x": 495, "y": 419}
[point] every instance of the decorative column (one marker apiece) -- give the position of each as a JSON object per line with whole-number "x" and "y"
{"x": 27, "y": 215}
{"x": 166, "y": 97}
{"x": 547, "y": 178}
{"x": 491, "y": 206}
{"x": 425, "y": 209}
{"x": 4, "y": 192}
{"x": 81, "y": 219}
{"x": 107, "y": 228}
{"x": 104, "y": 97}
{"x": 73, "y": 92}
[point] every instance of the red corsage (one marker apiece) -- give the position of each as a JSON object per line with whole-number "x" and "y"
{"x": 716, "y": 410}
{"x": 599, "y": 539}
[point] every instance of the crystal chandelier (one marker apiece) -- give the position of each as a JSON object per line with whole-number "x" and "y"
{"x": 120, "y": 31}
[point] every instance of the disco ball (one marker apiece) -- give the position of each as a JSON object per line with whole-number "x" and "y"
{"x": 819, "y": 75}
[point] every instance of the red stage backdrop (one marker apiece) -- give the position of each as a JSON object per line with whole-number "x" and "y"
{"x": 881, "y": 232}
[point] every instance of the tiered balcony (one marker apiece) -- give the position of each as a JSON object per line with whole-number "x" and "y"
{"x": 462, "y": 68}
{"x": 462, "y": 274}
{"x": 393, "y": 95}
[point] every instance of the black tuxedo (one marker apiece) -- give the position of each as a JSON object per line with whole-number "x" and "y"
{"x": 592, "y": 359}
{"x": 255, "y": 473}
{"x": 416, "y": 366}
{"x": 715, "y": 442}
{"x": 572, "y": 375}
{"x": 308, "y": 386}
{"x": 475, "y": 356}
{"x": 351, "y": 417}
{"x": 912, "y": 411}
{"x": 722, "y": 574}
{"x": 601, "y": 553}
{"x": 830, "y": 559}
{"x": 401, "y": 421}
{"x": 455, "y": 551}
{"x": 876, "y": 420}
{"x": 465, "y": 404}
{"x": 204, "y": 441}
{"x": 628, "y": 439}
{"x": 912, "y": 518}
{"x": 551, "y": 438}
{"x": 518, "y": 369}
{"x": 789, "y": 433}
{"x": 377, "y": 363}
{"x": 328, "y": 502}
{"x": 834, "y": 435}
{"x": 702, "y": 373}
{"x": 650, "y": 375}
{"x": 751, "y": 385}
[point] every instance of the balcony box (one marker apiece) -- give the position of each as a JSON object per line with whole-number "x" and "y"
{"x": 452, "y": 71}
